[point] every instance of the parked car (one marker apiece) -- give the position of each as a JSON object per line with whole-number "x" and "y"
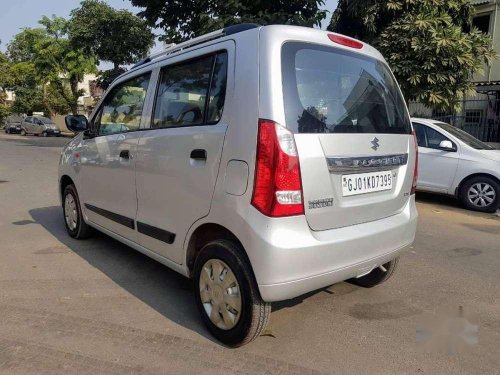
{"x": 39, "y": 125}
{"x": 13, "y": 124}
{"x": 455, "y": 163}
{"x": 262, "y": 162}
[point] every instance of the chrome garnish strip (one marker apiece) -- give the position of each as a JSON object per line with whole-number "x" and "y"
{"x": 365, "y": 163}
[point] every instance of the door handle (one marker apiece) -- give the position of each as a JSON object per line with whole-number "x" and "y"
{"x": 199, "y": 154}
{"x": 124, "y": 154}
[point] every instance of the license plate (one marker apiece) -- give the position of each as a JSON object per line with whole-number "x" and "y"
{"x": 362, "y": 183}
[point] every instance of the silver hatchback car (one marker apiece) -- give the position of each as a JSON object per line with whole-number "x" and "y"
{"x": 39, "y": 125}
{"x": 262, "y": 162}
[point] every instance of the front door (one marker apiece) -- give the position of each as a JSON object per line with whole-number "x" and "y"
{"x": 108, "y": 160}
{"x": 436, "y": 167}
{"x": 178, "y": 159}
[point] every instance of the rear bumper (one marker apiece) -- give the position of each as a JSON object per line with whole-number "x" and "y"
{"x": 289, "y": 259}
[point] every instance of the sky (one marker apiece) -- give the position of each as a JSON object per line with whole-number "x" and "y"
{"x": 17, "y": 14}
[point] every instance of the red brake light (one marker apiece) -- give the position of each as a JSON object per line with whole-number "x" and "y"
{"x": 277, "y": 188}
{"x": 415, "y": 171}
{"x": 345, "y": 41}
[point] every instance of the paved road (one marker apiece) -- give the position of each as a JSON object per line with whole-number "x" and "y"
{"x": 96, "y": 306}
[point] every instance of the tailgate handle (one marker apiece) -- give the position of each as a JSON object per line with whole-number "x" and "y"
{"x": 199, "y": 154}
{"x": 124, "y": 154}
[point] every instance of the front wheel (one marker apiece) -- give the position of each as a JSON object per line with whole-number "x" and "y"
{"x": 227, "y": 295}
{"x": 481, "y": 194}
{"x": 73, "y": 217}
{"x": 44, "y": 134}
{"x": 378, "y": 276}
{"x": 23, "y": 132}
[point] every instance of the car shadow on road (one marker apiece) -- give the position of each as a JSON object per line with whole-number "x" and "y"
{"x": 447, "y": 202}
{"x": 163, "y": 289}
{"x": 166, "y": 291}
{"x": 438, "y": 199}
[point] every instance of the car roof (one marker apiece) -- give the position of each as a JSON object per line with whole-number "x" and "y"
{"x": 299, "y": 33}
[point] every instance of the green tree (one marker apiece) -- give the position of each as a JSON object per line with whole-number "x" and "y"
{"x": 60, "y": 63}
{"x": 182, "y": 20}
{"x": 117, "y": 36}
{"x": 4, "y": 81}
{"x": 29, "y": 93}
{"x": 50, "y": 66}
{"x": 429, "y": 44}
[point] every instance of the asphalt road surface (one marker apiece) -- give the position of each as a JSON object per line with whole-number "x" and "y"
{"x": 97, "y": 306}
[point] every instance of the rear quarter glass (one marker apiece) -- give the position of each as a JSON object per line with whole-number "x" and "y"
{"x": 330, "y": 90}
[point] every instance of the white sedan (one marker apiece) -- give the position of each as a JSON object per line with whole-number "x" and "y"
{"x": 455, "y": 163}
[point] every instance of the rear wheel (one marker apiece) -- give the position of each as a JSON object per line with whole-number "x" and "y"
{"x": 227, "y": 295}
{"x": 377, "y": 276}
{"x": 73, "y": 217}
{"x": 480, "y": 193}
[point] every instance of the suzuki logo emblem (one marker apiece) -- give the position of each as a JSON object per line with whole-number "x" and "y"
{"x": 375, "y": 144}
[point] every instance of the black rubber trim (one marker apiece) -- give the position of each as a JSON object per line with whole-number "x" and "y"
{"x": 156, "y": 233}
{"x": 117, "y": 218}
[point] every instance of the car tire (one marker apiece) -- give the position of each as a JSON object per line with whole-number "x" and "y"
{"x": 481, "y": 194}
{"x": 44, "y": 134}
{"x": 72, "y": 214}
{"x": 377, "y": 276}
{"x": 6, "y": 131}
{"x": 23, "y": 133}
{"x": 241, "y": 313}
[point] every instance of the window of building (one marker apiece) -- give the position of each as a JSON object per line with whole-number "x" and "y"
{"x": 473, "y": 116}
{"x": 482, "y": 23}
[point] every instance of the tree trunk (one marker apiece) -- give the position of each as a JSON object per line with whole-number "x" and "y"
{"x": 73, "y": 82}
{"x": 116, "y": 66}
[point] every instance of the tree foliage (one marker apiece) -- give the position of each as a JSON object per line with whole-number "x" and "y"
{"x": 117, "y": 36}
{"x": 429, "y": 44}
{"x": 48, "y": 65}
{"x": 182, "y": 20}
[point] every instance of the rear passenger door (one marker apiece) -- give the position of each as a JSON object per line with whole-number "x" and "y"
{"x": 27, "y": 125}
{"x": 178, "y": 158}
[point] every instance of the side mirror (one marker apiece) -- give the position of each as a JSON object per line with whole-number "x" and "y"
{"x": 447, "y": 146}
{"x": 76, "y": 123}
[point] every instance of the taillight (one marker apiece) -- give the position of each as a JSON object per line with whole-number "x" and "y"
{"x": 415, "y": 171}
{"x": 277, "y": 188}
{"x": 345, "y": 41}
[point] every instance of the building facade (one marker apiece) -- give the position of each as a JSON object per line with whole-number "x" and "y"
{"x": 480, "y": 113}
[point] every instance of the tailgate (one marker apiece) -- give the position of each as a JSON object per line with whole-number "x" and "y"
{"x": 346, "y": 182}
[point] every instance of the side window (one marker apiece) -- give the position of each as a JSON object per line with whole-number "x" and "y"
{"x": 421, "y": 137}
{"x": 218, "y": 89}
{"x": 181, "y": 99}
{"x": 28, "y": 120}
{"x": 122, "y": 108}
{"x": 434, "y": 138}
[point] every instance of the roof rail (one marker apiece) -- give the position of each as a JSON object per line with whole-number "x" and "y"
{"x": 230, "y": 30}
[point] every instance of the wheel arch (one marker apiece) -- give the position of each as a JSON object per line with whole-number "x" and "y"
{"x": 64, "y": 181}
{"x": 471, "y": 176}
{"x": 204, "y": 234}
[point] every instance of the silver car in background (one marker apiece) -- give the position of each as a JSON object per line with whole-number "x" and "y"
{"x": 455, "y": 163}
{"x": 39, "y": 125}
{"x": 262, "y": 162}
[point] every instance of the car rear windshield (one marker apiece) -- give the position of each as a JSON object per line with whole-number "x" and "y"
{"x": 328, "y": 90}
